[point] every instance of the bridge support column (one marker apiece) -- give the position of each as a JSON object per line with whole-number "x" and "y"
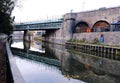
{"x": 50, "y": 36}
{"x": 26, "y": 46}
{"x": 26, "y": 36}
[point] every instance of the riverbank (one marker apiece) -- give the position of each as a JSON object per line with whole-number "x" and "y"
{"x": 3, "y": 66}
{"x": 94, "y": 49}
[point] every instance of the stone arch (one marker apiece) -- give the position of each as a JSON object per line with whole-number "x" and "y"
{"x": 101, "y": 26}
{"x": 81, "y": 27}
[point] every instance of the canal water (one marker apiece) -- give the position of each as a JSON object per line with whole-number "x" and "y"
{"x": 41, "y": 62}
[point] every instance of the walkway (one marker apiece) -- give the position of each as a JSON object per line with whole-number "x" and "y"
{"x": 3, "y": 66}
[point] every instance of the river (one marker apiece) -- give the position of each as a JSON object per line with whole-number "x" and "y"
{"x": 41, "y": 62}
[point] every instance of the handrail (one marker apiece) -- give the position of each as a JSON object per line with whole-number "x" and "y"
{"x": 17, "y": 78}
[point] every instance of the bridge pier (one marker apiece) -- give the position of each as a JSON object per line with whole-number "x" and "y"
{"x": 50, "y": 35}
{"x": 26, "y": 36}
{"x": 60, "y": 36}
{"x": 69, "y": 26}
{"x": 26, "y": 46}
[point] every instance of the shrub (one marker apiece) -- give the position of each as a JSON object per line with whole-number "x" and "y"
{"x": 84, "y": 40}
{"x": 78, "y": 41}
{"x": 95, "y": 41}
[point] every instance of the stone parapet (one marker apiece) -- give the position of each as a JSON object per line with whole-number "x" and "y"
{"x": 70, "y": 16}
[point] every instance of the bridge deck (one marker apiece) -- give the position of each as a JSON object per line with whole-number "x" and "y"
{"x": 39, "y": 25}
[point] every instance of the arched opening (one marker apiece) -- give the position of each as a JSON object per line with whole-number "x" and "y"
{"x": 101, "y": 26}
{"x": 82, "y": 27}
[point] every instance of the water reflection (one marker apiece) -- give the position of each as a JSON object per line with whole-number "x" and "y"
{"x": 97, "y": 51}
{"x": 74, "y": 66}
{"x": 28, "y": 46}
{"x": 86, "y": 67}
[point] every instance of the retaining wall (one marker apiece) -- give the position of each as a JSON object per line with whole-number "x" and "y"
{"x": 110, "y": 38}
{"x": 16, "y": 75}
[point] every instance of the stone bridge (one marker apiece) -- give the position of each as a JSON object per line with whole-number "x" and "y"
{"x": 94, "y": 19}
{"x": 78, "y": 24}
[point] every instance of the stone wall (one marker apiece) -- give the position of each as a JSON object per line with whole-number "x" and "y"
{"x": 91, "y": 17}
{"x": 109, "y": 15}
{"x": 111, "y": 38}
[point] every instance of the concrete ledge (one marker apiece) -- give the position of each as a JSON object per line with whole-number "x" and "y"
{"x": 17, "y": 78}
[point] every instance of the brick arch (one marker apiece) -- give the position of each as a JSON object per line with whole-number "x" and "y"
{"x": 101, "y": 26}
{"x": 81, "y": 26}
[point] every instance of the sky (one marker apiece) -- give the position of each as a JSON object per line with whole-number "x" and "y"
{"x": 35, "y": 10}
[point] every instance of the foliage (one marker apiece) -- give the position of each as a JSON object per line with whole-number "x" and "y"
{"x": 6, "y": 7}
{"x": 84, "y": 40}
{"x": 78, "y": 41}
{"x": 95, "y": 41}
{"x": 118, "y": 53}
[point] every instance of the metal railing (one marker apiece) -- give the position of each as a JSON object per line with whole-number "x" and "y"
{"x": 39, "y": 25}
